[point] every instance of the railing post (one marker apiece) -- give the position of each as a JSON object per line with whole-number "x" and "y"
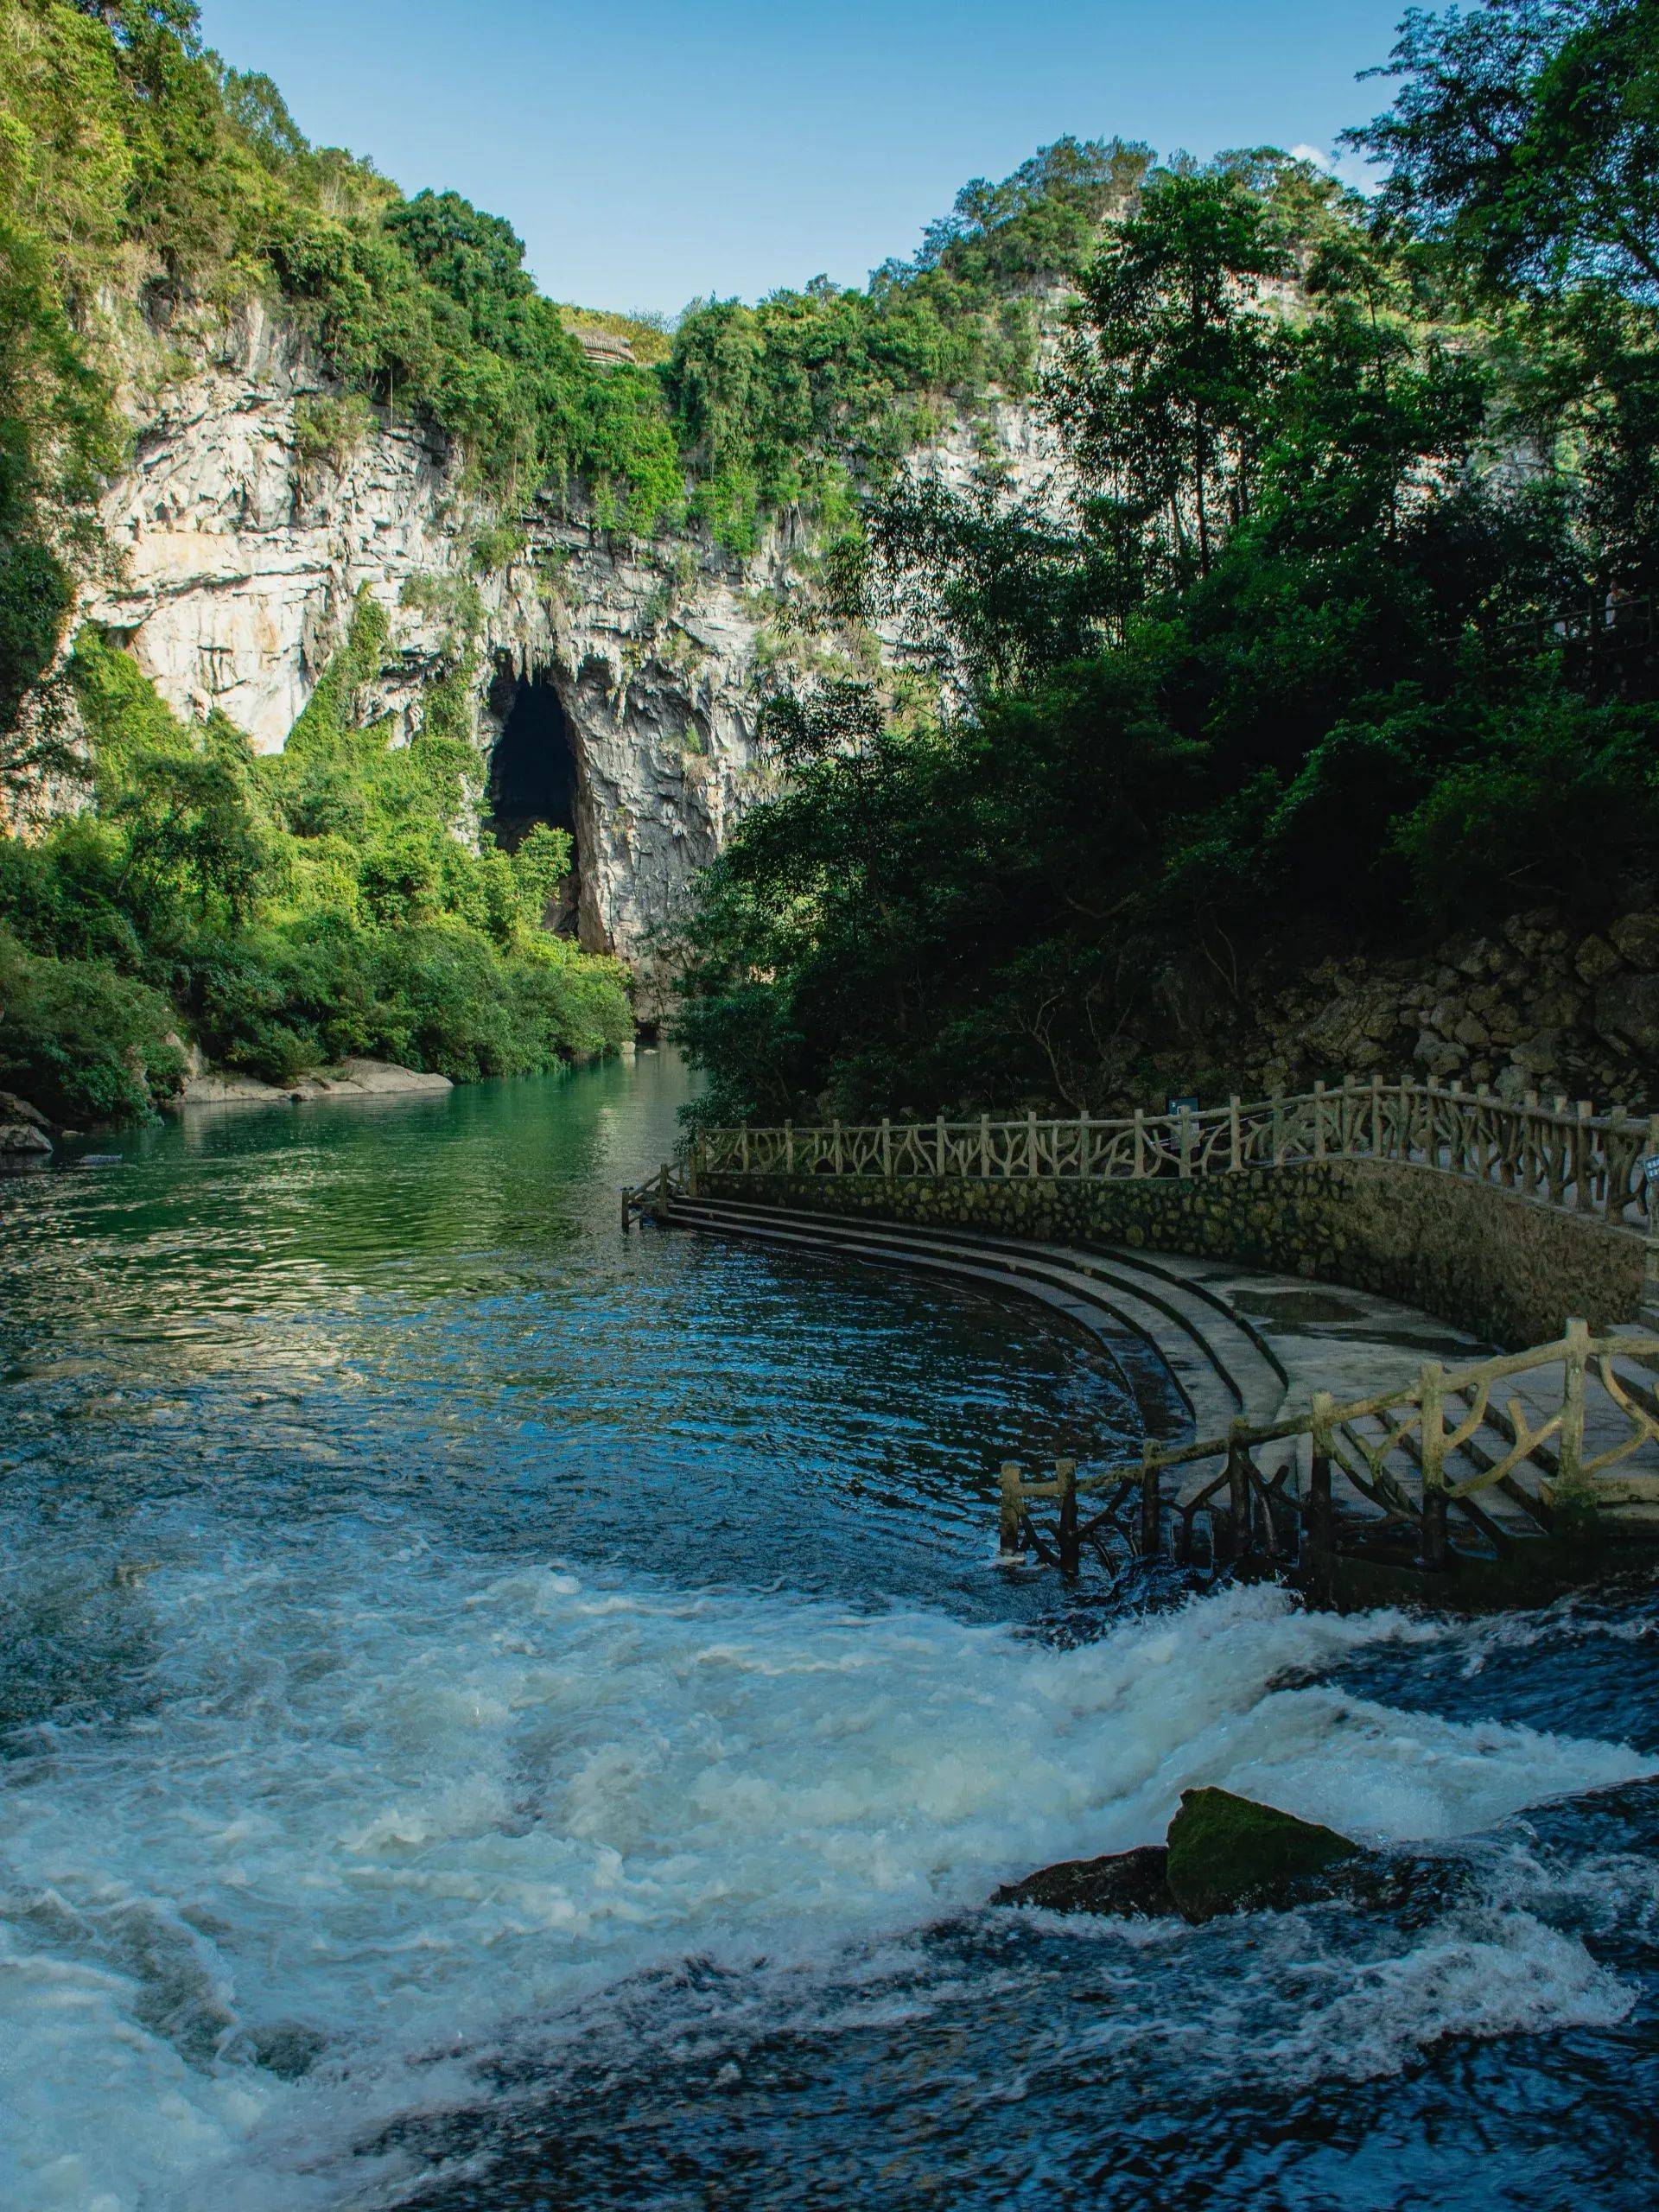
{"x": 1065, "y": 1474}
{"x": 1528, "y": 1141}
{"x": 1083, "y": 1145}
{"x": 1376, "y": 1117}
{"x": 1278, "y": 1128}
{"x": 1582, "y": 1177}
{"x": 887, "y": 1148}
{"x": 662, "y": 1191}
{"x": 743, "y": 1149}
{"x": 1575, "y": 1496}
{"x": 1319, "y": 1120}
{"x": 985, "y": 1146}
{"x": 1433, "y": 1401}
{"x": 1318, "y": 1525}
{"x": 1456, "y": 1163}
{"x": 1238, "y": 1489}
{"x": 835, "y": 1128}
{"x": 1235, "y": 1139}
{"x": 1152, "y": 1511}
{"x": 789, "y": 1148}
{"x": 1139, "y": 1142}
{"x": 1185, "y": 1125}
{"x": 1031, "y": 1141}
{"x": 938, "y": 1146}
{"x": 694, "y": 1167}
{"x": 1008, "y": 1511}
{"x": 1404, "y": 1152}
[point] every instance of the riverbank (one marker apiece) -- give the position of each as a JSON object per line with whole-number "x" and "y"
{"x": 352, "y": 1078}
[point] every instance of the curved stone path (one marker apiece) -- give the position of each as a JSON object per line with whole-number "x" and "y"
{"x": 1237, "y": 1344}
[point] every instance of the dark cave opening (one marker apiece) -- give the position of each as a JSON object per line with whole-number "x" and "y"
{"x": 533, "y": 778}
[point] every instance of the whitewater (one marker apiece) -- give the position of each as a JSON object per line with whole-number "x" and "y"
{"x": 442, "y": 1778}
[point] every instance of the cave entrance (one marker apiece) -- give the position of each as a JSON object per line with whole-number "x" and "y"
{"x": 533, "y": 779}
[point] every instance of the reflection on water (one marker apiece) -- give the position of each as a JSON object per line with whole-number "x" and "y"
{"x": 497, "y": 1714}
{"x": 367, "y": 1308}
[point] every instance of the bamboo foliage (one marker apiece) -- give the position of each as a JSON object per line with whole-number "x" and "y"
{"x": 1562, "y": 1156}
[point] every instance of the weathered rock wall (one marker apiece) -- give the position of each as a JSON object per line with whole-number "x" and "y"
{"x": 238, "y": 561}
{"x": 1537, "y": 1005}
{"x": 1483, "y": 1258}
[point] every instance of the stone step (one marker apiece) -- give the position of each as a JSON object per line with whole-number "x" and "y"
{"x": 1103, "y": 1300}
{"x": 1250, "y": 1372}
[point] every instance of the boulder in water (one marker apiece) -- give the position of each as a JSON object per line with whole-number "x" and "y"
{"x": 14, "y": 1109}
{"x": 1129, "y": 1884}
{"x": 1227, "y": 1855}
{"x": 1230, "y": 1854}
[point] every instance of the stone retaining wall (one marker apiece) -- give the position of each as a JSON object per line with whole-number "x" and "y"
{"x": 1503, "y": 1266}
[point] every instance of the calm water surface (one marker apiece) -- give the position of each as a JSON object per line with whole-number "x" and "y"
{"x": 495, "y": 1715}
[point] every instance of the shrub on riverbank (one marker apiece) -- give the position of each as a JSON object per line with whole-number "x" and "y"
{"x": 283, "y": 912}
{"x": 80, "y": 1041}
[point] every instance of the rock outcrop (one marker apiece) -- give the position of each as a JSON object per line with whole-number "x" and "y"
{"x": 25, "y": 1133}
{"x": 1224, "y": 1854}
{"x": 357, "y": 1078}
{"x": 240, "y": 552}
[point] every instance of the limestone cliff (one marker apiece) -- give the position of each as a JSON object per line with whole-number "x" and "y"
{"x": 237, "y": 560}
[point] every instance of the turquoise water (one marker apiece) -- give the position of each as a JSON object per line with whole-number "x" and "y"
{"x": 500, "y": 1714}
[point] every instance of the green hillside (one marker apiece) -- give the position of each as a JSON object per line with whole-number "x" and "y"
{"x": 1349, "y": 642}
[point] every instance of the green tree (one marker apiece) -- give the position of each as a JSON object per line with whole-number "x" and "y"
{"x": 1168, "y": 380}
{"x": 1525, "y": 139}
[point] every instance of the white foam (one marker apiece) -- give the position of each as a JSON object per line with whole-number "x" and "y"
{"x": 411, "y": 1805}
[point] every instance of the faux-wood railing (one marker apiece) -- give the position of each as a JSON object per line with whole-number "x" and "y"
{"x": 1442, "y": 1435}
{"x": 1564, "y": 1155}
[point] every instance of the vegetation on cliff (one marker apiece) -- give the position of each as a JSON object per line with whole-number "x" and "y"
{"x": 285, "y": 912}
{"x": 321, "y": 904}
{"x": 1346, "y": 639}
{"x": 145, "y": 184}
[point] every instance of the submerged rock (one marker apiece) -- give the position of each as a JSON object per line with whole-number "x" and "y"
{"x": 1129, "y": 1884}
{"x": 1227, "y": 1853}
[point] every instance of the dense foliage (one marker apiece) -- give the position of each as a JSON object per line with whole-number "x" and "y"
{"x": 284, "y": 911}
{"x": 1345, "y": 638}
{"x": 775, "y": 403}
{"x": 291, "y": 911}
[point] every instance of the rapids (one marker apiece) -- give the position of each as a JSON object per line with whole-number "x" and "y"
{"x": 496, "y": 1716}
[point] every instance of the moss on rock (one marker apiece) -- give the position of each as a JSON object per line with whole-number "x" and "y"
{"x": 1227, "y": 1853}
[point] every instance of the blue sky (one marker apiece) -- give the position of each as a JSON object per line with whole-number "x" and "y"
{"x": 650, "y": 151}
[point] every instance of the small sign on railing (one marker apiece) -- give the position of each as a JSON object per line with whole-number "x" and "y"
{"x": 1650, "y": 1169}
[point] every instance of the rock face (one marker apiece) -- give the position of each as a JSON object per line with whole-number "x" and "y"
{"x": 239, "y": 560}
{"x": 356, "y": 1078}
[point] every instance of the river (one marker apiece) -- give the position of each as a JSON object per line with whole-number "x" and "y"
{"x": 497, "y": 1715}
